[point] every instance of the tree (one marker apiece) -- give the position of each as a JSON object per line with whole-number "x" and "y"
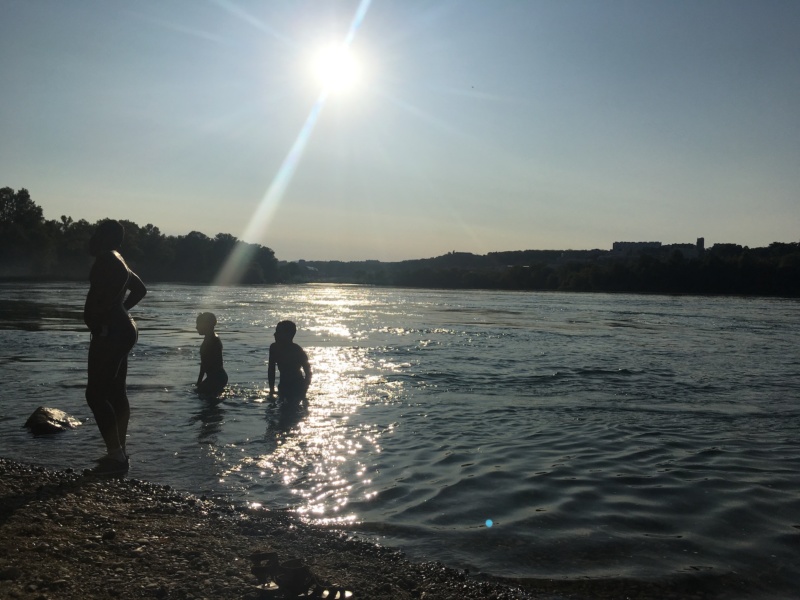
{"x": 18, "y": 209}
{"x": 158, "y": 254}
{"x": 191, "y": 260}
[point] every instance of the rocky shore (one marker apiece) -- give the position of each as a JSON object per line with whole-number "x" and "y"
{"x": 64, "y": 535}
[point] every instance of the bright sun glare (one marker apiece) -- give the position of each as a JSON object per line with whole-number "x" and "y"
{"x": 336, "y": 69}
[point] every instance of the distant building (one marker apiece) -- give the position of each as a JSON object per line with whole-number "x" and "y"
{"x": 634, "y": 246}
{"x": 626, "y": 250}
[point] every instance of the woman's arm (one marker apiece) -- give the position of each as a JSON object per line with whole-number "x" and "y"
{"x": 137, "y": 291}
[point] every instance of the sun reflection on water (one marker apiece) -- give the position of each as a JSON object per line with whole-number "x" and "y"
{"x": 332, "y": 331}
{"x": 322, "y": 455}
{"x": 318, "y": 461}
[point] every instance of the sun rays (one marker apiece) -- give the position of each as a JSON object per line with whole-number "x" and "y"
{"x": 337, "y": 70}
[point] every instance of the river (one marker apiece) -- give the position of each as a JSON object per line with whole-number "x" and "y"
{"x": 542, "y": 435}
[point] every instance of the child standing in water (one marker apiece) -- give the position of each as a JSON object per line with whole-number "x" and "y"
{"x": 292, "y": 362}
{"x": 210, "y": 357}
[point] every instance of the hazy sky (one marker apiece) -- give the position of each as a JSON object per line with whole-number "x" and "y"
{"x": 474, "y": 125}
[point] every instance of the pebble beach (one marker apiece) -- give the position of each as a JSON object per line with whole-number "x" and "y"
{"x": 66, "y": 535}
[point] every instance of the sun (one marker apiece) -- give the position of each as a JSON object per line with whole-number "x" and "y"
{"x": 336, "y": 68}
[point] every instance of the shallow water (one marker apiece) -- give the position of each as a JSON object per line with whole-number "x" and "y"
{"x": 518, "y": 434}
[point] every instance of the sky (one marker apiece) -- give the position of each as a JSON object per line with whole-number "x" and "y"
{"x": 471, "y": 126}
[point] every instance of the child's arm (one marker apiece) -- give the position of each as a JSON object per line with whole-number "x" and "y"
{"x": 202, "y": 369}
{"x": 271, "y": 371}
{"x": 306, "y": 366}
{"x": 202, "y": 366}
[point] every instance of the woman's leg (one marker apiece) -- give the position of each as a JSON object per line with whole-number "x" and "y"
{"x": 105, "y": 392}
{"x": 119, "y": 400}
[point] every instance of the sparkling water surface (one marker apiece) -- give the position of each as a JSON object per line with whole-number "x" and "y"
{"x": 518, "y": 434}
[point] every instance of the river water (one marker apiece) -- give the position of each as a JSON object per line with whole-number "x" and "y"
{"x": 517, "y": 434}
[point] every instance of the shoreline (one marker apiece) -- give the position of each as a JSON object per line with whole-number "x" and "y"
{"x": 65, "y": 535}
{"x": 69, "y": 536}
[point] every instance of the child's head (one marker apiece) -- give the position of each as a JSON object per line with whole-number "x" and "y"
{"x": 206, "y": 322}
{"x": 285, "y": 331}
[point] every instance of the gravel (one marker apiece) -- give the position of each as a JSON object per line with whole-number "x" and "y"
{"x": 65, "y": 535}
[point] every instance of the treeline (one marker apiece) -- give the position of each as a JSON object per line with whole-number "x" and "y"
{"x": 721, "y": 269}
{"x": 33, "y": 247}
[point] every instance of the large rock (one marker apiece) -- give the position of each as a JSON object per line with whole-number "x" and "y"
{"x": 50, "y": 420}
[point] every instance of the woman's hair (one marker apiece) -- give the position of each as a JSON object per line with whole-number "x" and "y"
{"x": 109, "y": 234}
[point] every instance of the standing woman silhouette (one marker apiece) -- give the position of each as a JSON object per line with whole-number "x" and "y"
{"x": 113, "y": 335}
